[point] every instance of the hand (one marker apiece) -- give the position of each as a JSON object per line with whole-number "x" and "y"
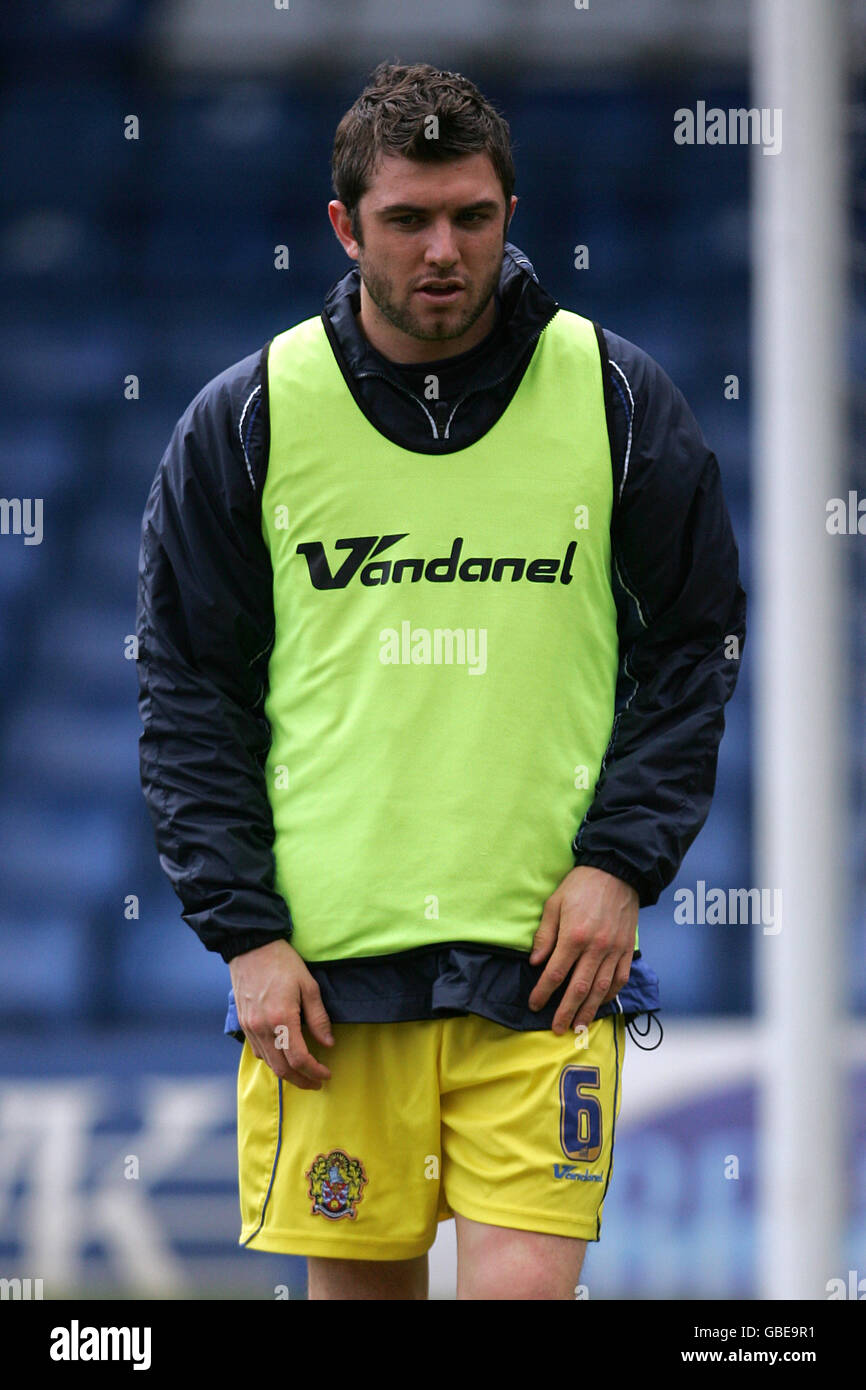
{"x": 591, "y": 918}
{"x": 272, "y": 986}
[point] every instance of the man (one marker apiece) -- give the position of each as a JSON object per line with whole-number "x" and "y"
{"x": 435, "y": 592}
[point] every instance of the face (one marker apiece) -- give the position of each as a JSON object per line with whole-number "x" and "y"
{"x": 430, "y": 256}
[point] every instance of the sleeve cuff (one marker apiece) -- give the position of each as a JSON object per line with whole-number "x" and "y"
{"x": 612, "y": 864}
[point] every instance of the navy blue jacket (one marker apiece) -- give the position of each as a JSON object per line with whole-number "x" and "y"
{"x": 205, "y": 624}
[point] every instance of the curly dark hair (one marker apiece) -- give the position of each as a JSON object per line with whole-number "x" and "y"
{"x": 391, "y": 116}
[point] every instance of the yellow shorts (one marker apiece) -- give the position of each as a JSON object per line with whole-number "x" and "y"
{"x": 424, "y": 1119}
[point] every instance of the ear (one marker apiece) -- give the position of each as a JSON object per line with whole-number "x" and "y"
{"x": 342, "y": 224}
{"x": 511, "y": 211}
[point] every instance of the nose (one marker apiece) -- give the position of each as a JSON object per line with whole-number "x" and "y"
{"x": 441, "y": 249}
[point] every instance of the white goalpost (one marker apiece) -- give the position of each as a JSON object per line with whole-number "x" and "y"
{"x": 798, "y": 622}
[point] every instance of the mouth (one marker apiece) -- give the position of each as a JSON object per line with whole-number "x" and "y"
{"x": 444, "y": 293}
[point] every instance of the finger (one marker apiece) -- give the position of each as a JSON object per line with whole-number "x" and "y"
{"x": 299, "y": 1057}
{"x": 276, "y": 1062}
{"x": 284, "y": 1050}
{"x": 581, "y": 1009}
{"x": 583, "y": 981}
{"x": 620, "y": 979}
{"x": 295, "y": 1078}
{"x": 554, "y": 973}
{"x": 546, "y": 932}
{"x": 254, "y": 1040}
{"x": 315, "y": 1013}
{"x": 273, "y": 1057}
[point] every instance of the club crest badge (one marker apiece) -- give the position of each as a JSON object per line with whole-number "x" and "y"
{"x": 336, "y": 1184}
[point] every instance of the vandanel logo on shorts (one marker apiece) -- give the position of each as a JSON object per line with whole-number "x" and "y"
{"x": 336, "y": 1183}
{"x": 437, "y": 569}
{"x": 568, "y": 1170}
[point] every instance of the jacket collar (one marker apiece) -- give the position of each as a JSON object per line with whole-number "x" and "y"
{"x": 525, "y": 309}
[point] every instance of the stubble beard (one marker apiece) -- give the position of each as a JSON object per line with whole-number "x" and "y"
{"x": 381, "y": 290}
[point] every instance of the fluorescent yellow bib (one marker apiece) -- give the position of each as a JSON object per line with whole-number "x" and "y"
{"x": 443, "y": 673}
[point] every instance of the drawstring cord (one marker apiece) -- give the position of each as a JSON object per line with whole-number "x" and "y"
{"x": 635, "y": 1033}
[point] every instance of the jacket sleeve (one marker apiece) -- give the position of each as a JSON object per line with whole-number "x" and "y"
{"x": 205, "y": 626}
{"x": 681, "y": 623}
